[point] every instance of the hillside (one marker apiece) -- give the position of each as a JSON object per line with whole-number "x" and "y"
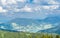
{"x": 7, "y": 34}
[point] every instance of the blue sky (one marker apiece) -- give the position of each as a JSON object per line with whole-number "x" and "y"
{"x": 34, "y": 9}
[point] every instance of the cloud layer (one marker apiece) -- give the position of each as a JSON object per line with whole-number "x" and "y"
{"x": 31, "y": 28}
{"x": 34, "y": 9}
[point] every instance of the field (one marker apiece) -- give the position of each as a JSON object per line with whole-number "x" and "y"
{"x": 7, "y": 34}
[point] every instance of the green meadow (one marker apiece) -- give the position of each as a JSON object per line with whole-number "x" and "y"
{"x": 7, "y": 34}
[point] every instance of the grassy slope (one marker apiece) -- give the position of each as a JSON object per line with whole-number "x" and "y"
{"x": 6, "y": 34}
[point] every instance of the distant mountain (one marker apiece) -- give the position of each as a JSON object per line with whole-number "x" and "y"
{"x": 50, "y": 24}
{"x": 52, "y": 20}
{"x": 52, "y": 30}
{"x": 56, "y": 22}
{"x": 25, "y": 21}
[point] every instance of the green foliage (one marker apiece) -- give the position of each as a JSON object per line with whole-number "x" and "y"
{"x": 6, "y": 34}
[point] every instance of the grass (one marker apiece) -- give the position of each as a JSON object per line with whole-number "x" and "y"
{"x": 7, "y": 34}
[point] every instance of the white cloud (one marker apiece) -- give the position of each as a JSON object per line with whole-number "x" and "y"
{"x": 21, "y": 0}
{"x": 47, "y": 26}
{"x": 50, "y": 7}
{"x": 26, "y": 8}
{"x": 31, "y": 28}
{"x": 3, "y": 2}
{"x": 46, "y": 7}
{"x": 11, "y": 2}
{"x": 15, "y": 26}
{"x": 37, "y": 8}
{"x": 2, "y": 10}
{"x": 17, "y": 10}
{"x": 44, "y": 26}
{"x": 54, "y": 6}
{"x": 52, "y": 2}
{"x": 2, "y": 27}
{"x": 6, "y": 2}
{"x": 46, "y": 1}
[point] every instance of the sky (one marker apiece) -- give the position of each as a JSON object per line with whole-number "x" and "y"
{"x": 34, "y": 9}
